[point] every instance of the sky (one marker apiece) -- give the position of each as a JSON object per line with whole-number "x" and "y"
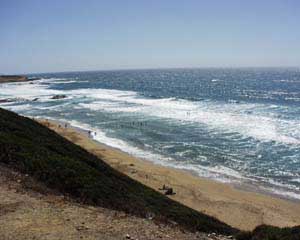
{"x": 79, "y": 35}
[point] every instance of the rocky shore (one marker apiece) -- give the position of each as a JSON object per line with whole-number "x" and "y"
{"x": 16, "y": 78}
{"x": 13, "y": 78}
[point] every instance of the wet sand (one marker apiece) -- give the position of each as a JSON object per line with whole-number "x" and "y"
{"x": 241, "y": 209}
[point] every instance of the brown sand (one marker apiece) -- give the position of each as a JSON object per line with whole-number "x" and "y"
{"x": 240, "y": 209}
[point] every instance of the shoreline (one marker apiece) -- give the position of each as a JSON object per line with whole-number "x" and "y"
{"x": 240, "y": 208}
{"x": 243, "y": 186}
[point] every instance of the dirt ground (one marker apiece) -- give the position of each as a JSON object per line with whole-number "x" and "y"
{"x": 29, "y": 210}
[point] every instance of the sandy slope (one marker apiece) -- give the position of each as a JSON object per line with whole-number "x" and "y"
{"x": 241, "y": 209}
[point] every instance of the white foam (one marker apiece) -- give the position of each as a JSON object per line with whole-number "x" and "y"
{"x": 296, "y": 180}
{"x": 216, "y": 80}
{"x": 218, "y": 173}
{"x": 282, "y": 185}
{"x": 283, "y": 193}
{"x": 63, "y": 81}
{"x": 287, "y": 81}
{"x": 296, "y": 99}
{"x": 18, "y": 107}
{"x": 26, "y": 90}
{"x": 226, "y": 116}
{"x": 50, "y": 80}
{"x": 102, "y": 137}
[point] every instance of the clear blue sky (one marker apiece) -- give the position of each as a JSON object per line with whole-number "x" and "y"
{"x": 45, "y": 36}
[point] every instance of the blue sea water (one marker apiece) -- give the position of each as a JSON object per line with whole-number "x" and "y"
{"x": 233, "y": 125}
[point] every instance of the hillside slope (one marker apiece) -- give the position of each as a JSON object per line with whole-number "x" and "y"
{"x": 29, "y": 210}
{"x": 31, "y": 148}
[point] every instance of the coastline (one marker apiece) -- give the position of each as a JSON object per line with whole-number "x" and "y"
{"x": 13, "y": 78}
{"x": 239, "y": 208}
{"x": 16, "y": 78}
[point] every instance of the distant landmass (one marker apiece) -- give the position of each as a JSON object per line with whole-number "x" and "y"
{"x": 15, "y": 78}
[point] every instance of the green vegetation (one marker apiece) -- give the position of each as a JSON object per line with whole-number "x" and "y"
{"x": 31, "y": 148}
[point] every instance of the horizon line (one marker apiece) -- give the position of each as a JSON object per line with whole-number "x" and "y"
{"x": 157, "y": 68}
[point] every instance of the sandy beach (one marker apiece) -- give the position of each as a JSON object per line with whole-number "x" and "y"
{"x": 241, "y": 209}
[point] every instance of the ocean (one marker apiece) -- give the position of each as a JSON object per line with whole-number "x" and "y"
{"x": 238, "y": 126}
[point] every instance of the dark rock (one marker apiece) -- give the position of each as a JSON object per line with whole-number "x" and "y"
{"x": 33, "y": 78}
{"x": 59, "y": 96}
{"x": 169, "y": 191}
{"x": 81, "y": 228}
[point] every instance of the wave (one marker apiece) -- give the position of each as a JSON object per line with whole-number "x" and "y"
{"x": 219, "y": 173}
{"x": 229, "y": 117}
{"x": 16, "y": 108}
{"x": 26, "y": 90}
{"x": 242, "y": 123}
{"x": 216, "y": 116}
{"x": 281, "y": 192}
{"x": 287, "y": 81}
